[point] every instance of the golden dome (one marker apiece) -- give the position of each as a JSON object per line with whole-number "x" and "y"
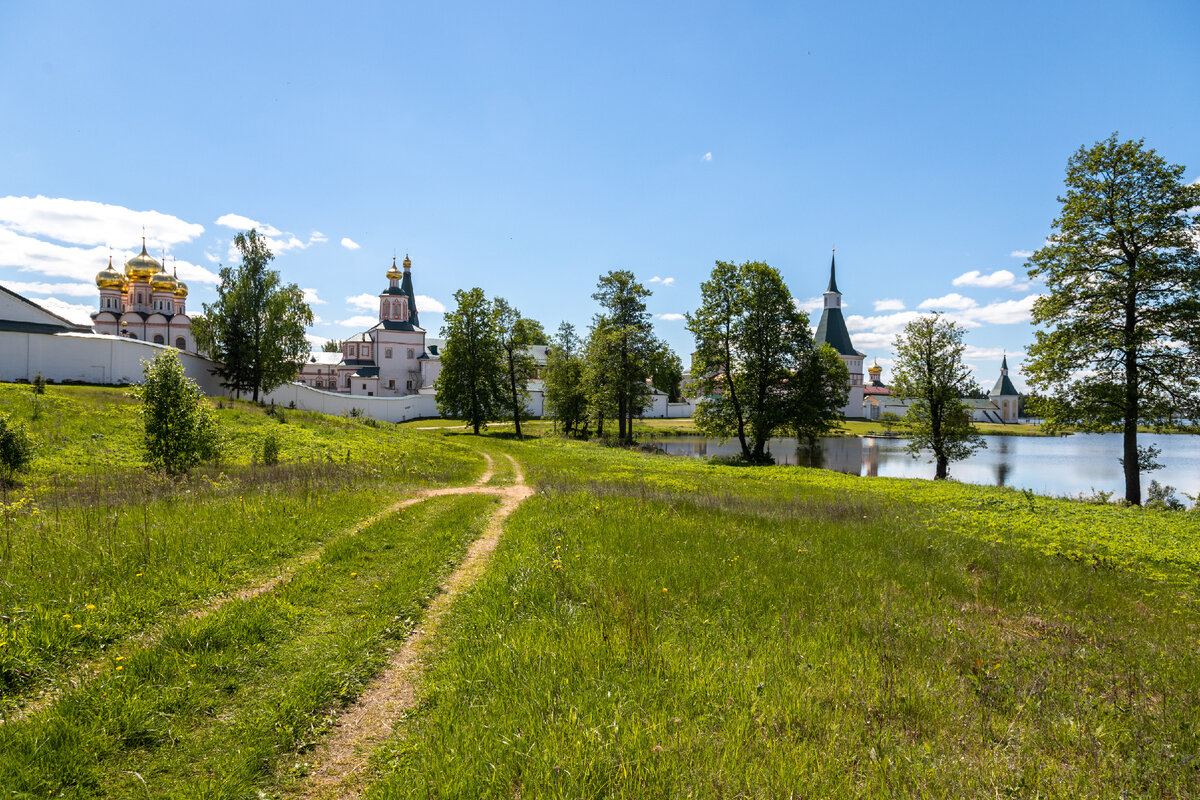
{"x": 143, "y": 265}
{"x": 162, "y": 282}
{"x": 407, "y": 263}
{"x": 875, "y": 370}
{"x": 110, "y": 278}
{"x": 181, "y": 289}
{"x": 394, "y": 274}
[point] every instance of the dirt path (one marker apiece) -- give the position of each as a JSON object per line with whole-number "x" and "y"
{"x": 89, "y": 669}
{"x": 340, "y": 762}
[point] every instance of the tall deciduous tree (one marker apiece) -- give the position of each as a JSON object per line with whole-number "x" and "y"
{"x": 751, "y": 342}
{"x": 625, "y": 325}
{"x": 516, "y": 335}
{"x": 666, "y": 371}
{"x": 470, "y": 385}
{"x": 1122, "y": 270}
{"x": 931, "y": 377}
{"x": 816, "y": 391}
{"x": 566, "y": 398}
{"x": 256, "y": 328}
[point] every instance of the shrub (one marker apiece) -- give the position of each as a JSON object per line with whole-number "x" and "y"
{"x": 39, "y": 383}
{"x": 1162, "y": 496}
{"x": 181, "y": 430}
{"x": 270, "y": 449}
{"x": 16, "y": 449}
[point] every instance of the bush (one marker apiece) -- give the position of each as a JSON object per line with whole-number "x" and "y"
{"x": 270, "y": 449}
{"x": 181, "y": 431}
{"x": 1163, "y": 497}
{"x": 276, "y": 412}
{"x": 16, "y": 449}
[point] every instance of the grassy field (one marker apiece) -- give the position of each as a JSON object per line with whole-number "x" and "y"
{"x": 95, "y": 550}
{"x": 657, "y": 627}
{"x": 647, "y": 627}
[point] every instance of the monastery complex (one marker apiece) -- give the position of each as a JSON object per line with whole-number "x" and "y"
{"x": 394, "y": 358}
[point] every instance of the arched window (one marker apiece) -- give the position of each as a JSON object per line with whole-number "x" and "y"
{"x": 158, "y": 338}
{"x": 181, "y": 343}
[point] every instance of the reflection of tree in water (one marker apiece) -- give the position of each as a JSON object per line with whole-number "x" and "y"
{"x": 840, "y": 455}
{"x": 810, "y": 456}
{"x": 1002, "y": 465}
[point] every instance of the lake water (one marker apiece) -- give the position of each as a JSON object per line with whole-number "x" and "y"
{"x": 1067, "y": 465}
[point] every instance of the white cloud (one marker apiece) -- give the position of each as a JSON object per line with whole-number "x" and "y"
{"x": 367, "y": 302}
{"x": 86, "y": 222}
{"x": 995, "y": 280}
{"x": 1007, "y": 312}
{"x": 889, "y": 305}
{"x": 883, "y": 324}
{"x": 212, "y": 258}
{"x": 317, "y": 320}
{"x": 670, "y": 317}
{"x": 317, "y": 237}
{"x": 37, "y": 287}
{"x": 991, "y": 353}
{"x": 310, "y": 297}
{"x": 874, "y": 342}
{"x": 194, "y": 273}
{"x": 810, "y": 305}
{"x": 349, "y": 243}
{"x": 239, "y": 223}
{"x": 360, "y": 321}
{"x": 427, "y": 305}
{"x": 950, "y": 302}
{"x": 1021, "y": 253}
{"x": 706, "y": 157}
{"x": 76, "y": 313}
{"x": 317, "y": 342}
{"x": 663, "y": 281}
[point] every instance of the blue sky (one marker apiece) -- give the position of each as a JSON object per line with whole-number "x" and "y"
{"x": 528, "y": 148}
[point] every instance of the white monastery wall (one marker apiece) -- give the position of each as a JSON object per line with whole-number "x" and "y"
{"x": 91, "y": 358}
{"x": 384, "y": 409}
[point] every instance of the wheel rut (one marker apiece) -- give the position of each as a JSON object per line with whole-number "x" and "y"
{"x": 90, "y": 669}
{"x": 340, "y": 764}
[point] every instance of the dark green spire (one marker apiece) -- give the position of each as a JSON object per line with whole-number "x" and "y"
{"x": 833, "y": 274}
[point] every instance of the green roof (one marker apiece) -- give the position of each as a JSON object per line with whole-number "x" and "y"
{"x": 1004, "y": 387}
{"x": 832, "y": 331}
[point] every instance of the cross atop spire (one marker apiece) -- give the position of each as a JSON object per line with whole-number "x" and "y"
{"x": 833, "y": 273}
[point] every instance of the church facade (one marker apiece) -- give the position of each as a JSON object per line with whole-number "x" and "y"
{"x": 144, "y": 303}
{"x": 390, "y": 359}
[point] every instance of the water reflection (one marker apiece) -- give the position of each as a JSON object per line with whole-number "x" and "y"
{"x": 1073, "y": 465}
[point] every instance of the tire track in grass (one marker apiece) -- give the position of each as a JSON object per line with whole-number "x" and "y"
{"x": 340, "y": 762}
{"x": 89, "y": 669}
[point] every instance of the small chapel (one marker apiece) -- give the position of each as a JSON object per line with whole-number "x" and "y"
{"x": 145, "y": 303}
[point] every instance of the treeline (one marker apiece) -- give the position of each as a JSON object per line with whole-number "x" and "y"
{"x": 487, "y": 366}
{"x": 756, "y": 363}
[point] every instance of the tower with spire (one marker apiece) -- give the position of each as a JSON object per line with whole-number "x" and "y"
{"x": 832, "y": 331}
{"x": 1005, "y": 395}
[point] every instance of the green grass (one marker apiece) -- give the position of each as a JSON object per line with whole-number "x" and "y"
{"x": 92, "y": 556}
{"x": 219, "y": 705}
{"x": 657, "y": 627}
{"x": 648, "y": 626}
